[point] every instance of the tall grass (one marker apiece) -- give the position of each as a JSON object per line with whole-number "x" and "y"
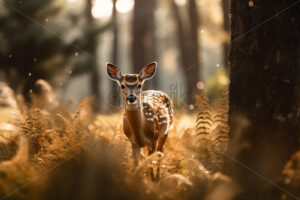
{"x": 65, "y": 154}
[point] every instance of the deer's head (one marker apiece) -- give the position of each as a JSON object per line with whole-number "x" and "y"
{"x": 131, "y": 84}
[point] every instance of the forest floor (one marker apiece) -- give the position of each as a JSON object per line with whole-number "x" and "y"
{"x": 52, "y": 150}
{"x": 61, "y": 153}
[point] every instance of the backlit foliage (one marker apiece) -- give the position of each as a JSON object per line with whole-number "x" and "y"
{"x": 212, "y": 130}
{"x": 72, "y": 154}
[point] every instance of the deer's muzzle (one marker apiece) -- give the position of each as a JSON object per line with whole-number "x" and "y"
{"x": 131, "y": 98}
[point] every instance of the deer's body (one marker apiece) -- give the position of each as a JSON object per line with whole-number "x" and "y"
{"x": 149, "y": 125}
{"x": 148, "y": 115}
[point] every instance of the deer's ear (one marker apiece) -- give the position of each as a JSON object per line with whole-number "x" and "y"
{"x": 113, "y": 72}
{"x": 148, "y": 71}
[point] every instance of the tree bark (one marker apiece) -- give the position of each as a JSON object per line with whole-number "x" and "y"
{"x": 264, "y": 94}
{"x": 226, "y": 25}
{"x": 143, "y": 34}
{"x": 115, "y": 89}
{"x": 91, "y": 49}
{"x": 193, "y": 73}
{"x": 188, "y": 43}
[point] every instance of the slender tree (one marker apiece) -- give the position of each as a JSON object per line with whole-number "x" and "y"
{"x": 91, "y": 48}
{"x": 188, "y": 42}
{"x": 153, "y": 53}
{"x": 114, "y": 93}
{"x": 193, "y": 73}
{"x": 143, "y": 34}
{"x": 264, "y": 94}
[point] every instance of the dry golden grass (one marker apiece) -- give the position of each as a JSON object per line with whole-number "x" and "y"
{"x": 65, "y": 154}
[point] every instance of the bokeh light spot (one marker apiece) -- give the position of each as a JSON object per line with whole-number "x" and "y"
{"x": 124, "y": 6}
{"x": 251, "y": 4}
{"x": 200, "y": 85}
{"x": 180, "y": 2}
{"x": 102, "y": 9}
{"x": 223, "y": 80}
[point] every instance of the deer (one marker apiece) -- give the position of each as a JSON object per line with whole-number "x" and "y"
{"x": 148, "y": 115}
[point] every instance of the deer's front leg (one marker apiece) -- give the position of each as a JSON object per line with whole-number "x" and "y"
{"x": 136, "y": 154}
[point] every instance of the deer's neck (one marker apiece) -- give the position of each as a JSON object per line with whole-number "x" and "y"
{"x": 135, "y": 119}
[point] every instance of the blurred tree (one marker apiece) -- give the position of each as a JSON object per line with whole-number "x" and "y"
{"x": 30, "y": 49}
{"x": 91, "y": 48}
{"x": 143, "y": 38}
{"x": 188, "y": 46}
{"x": 115, "y": 89}
{"x": 264, "y": 94}
{"x": 226, "y": 25}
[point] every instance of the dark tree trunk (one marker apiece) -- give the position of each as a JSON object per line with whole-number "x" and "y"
{"x": 264, "y": 94}
{"x": 143, "y": 44}
{"x": 192, "y": 74}
{"x": 115, "y": 89}
{"x": 91, "y": 49}
{"x": 226, "y": 25}
{"x": 152, "y": 55}
{"x": 188, "y": 43}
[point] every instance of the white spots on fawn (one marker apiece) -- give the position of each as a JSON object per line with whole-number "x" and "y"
{"x": 157, "y": 109}
{"x": 150, "y": 119}
{"x": 163, "y": 116}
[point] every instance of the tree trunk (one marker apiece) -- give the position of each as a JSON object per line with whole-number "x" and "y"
{"x": 115, "y": 89}
{"x": 91, "y": 49}
{"x": 192, "y": 74}
{"x": 226, "y": 25}
{"x": 143, "y": 44}
{"x": 264, "y": 94}
{"x": 152, "y": 55}
{"x": 188, "y": 43}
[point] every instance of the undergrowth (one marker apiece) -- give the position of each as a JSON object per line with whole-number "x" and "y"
{"x": 75, "y": 154}
{"x": 211, "y": 130}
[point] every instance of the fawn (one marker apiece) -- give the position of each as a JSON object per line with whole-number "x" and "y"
{"x": 148, "y": 114}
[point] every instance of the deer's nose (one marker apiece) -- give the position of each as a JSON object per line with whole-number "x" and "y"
{"x": 131, "y": 98}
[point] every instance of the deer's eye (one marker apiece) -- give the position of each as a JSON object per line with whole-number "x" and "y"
{"x": 139, "y": 86}
{"x": 122, "y": 86}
